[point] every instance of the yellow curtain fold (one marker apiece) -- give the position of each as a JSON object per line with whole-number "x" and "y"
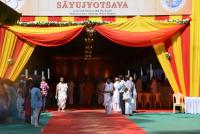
{"x": 7, "y": 51}
{"x": 41, "y": 30}
{"x": 161, "y": 54}
{"x": 119, "y": 19}
{"x": 21, "y": 61}
{"x": 195, "y": 49}
{"x": 141, "y": 24}
{"x": 177, "y": 50}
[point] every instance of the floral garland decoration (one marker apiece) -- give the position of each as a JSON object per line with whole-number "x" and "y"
{"x": 60, "y": 24}
{"x": 86, "y": 23}
{"x": 184, "y": 21}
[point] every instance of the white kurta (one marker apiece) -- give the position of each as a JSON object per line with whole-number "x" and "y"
{"x": 121, "y": 86}
{"x": 62, "y": 95}
{"x": 131, "y": 89}
{"x": 116, "y": 102}
{"x": 134, "y": 98}
{"x": 127, "y": 98}
{"x": 108, "y": 98}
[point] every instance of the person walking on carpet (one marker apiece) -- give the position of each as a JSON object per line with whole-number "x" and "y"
{"x": 108, "y": 92}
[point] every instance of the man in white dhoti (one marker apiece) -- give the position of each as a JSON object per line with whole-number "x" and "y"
{"x": 134, "y": 95}
{"x": 121, "y": 92}
{"x": 116, "y": 102}
{"x": 71, "y": 92}
{"x": 128, "y": 96}
{"x": 108, "y": 96}
{"x": 61, "y": 94}
{"x": 100, "y": 90}
{"x": 127, "y": 99}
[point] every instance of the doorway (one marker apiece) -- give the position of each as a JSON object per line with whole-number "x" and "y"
{"x": 108, "y": 60}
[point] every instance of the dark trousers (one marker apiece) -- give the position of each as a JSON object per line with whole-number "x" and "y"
{"x": 43, "y": 103}
{"x": 122, "y": 103}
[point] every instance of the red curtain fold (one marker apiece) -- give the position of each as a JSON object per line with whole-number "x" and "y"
{"x": 138, "y": 39}
{"x": 27, "y": 18}
{"x": 51, "y": 39}
{"x": 185, "y": 39}
{"x": 55, "y": 18}
{"x": 81, "y": 18}
{"x": 2, "y": 34}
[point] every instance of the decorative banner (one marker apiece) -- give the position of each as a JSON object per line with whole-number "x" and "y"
{"x": 100, "y": 7}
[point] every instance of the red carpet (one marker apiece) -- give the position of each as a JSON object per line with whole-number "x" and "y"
{"x": 90, "y": 122}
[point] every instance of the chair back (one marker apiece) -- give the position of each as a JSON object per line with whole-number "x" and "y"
{"x": 177, "y": 98}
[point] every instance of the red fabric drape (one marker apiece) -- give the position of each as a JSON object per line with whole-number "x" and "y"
{"x": 27, "y": 18}
{"x": 138, "y": 39}
{"x": 51, "y": 39}
{"x": 82, "y": 18}
{"x": 108, "y": 18}
{"x": 169, "y": 48}
{"x": 2, "y": 35}
{"x": 185, "y": 39}
{"x": 55, "y": 18}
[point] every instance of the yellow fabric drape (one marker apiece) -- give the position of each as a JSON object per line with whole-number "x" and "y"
{"x": 95, "y": 18}
{"x": 141, "y": 24}
{"x": 160, "y": 52}
{"x": 195, "y": 49}
{"x": 21, "y": 61}
{"x": 119, "y": 19}
{"x": 41, "y": 30}
{"x": 68, "y": 18}
{"x": 7, "y": 51}
{"x": 177, "y": 50}
{"x": 41, "y": 18}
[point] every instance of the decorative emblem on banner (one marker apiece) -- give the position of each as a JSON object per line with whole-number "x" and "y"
{"x": 173, "y": 5}
{"x": 15, "y": 4}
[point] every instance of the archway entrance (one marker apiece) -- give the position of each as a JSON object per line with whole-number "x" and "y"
{"x": 166, "y": 37}
{"x": 108, "y": 60}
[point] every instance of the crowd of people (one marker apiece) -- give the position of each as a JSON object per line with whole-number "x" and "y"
{"x": 23, "y": 100}
{"x": 120, "y": 96}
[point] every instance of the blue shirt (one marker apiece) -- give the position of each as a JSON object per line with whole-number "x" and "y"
{"x": 36, "y": 98}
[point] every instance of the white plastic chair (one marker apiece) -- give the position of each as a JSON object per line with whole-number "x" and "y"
{"x": 178, "y": 100}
